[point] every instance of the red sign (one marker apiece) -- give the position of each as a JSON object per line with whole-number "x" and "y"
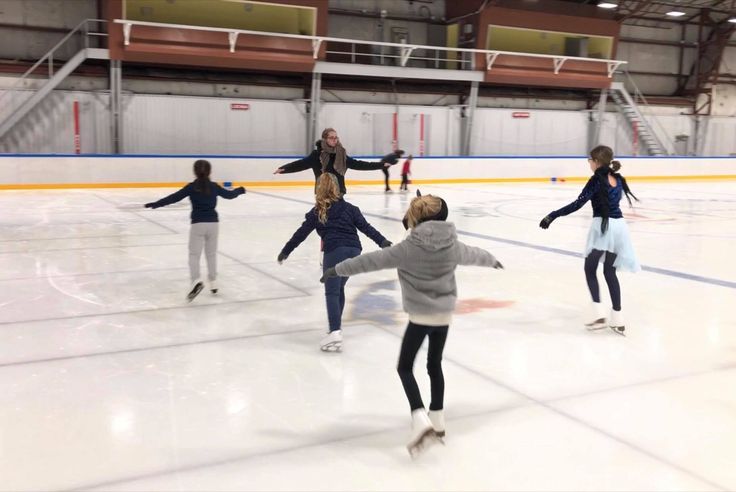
{"x": 241, "y": 106}
{"x": 520, "y": 114}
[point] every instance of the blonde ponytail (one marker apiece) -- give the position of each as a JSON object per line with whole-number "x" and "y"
{"x": 328, "y": 192}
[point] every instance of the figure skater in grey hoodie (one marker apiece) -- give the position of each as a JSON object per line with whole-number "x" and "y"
{"x": 426, "y": 262}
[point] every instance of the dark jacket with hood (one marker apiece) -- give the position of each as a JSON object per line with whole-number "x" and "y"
{"x": 312, "y": 161}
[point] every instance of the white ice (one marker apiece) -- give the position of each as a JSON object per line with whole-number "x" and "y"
{"x": 111, "y": 381}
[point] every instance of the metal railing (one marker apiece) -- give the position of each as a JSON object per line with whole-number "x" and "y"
{"x": 9, "y": 97}
{"x": 660, "y": 131}
{"x": 403, "y": 54}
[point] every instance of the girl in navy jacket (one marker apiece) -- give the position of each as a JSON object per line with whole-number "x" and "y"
{"x": 337, "y": 222}
{"x": 608, "y": 237}
{"x": 203, "y": 194}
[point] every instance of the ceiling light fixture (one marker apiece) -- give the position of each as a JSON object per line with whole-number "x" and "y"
{"x": 607, "y": 5}
{"x": 675, "y": 13}
{"x": 732, "y": 20}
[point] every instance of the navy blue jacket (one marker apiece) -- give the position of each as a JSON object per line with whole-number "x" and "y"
{"x": 341, "y": 229}
{"x": 203, "y": 205}
{"x": 589, "y": 191}
{"x": 312, "y": 161}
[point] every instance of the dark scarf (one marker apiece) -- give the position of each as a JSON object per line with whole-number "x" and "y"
{"x": 602, "y": 197}
{"x": 338, "y": 150}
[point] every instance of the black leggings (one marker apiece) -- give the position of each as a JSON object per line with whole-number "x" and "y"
{"x": 385, "y": 175}
{"x": 609, "y": 272}
{"x": 412, "y": 341}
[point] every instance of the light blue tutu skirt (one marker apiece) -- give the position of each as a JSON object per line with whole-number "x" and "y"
{"x": 616, "y": 240}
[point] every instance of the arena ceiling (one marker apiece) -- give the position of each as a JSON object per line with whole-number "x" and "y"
{"x": 654, "y": 12}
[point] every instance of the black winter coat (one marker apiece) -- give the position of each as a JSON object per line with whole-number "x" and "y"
{"x": 312, "y": 161}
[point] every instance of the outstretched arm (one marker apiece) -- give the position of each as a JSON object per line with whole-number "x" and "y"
{"x": 309, "y": 224}
{"x": 470, "y": 255}
{"x": 591, "y": 187}
{"x": 229, "y": 194}
{"x": 364, "y": 165}
{"x": 173, "y": 198}
{"x": 367, "y": 229}
{"x": 296, "y": 166}
{"x": 370, "y": 262}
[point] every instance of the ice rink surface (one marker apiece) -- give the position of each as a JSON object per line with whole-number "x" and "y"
{"x": 111, "y": 381}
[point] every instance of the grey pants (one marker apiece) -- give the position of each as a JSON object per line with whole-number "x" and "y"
{"x": 203, "y": 234}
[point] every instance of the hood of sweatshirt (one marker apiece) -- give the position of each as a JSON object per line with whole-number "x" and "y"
{"x": 433, "y": 235}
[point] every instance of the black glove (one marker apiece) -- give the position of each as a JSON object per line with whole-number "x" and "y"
{"x": 498, "y": 265}
{"x": 149, "y": 205}
{"x": 545, "y": 222}
{"x": 241, "y": 190}
{"x": 282, "y": 256}
{"x": 329, "y": 273}
{"x": 386, "y": 244}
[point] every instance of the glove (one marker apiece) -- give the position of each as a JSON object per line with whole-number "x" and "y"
{"x": 498, "y": 265}
{"x": 241, "y": 190}
{"x": 545, "y": 222}
{"x": 282, "y": 256}
{"x": 329, "y": 273}
{"x": 386, "y": 244}
{"x": 149, "y": 205}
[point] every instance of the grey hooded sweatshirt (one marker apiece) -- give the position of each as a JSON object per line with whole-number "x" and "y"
{"x": 426, "y": 262}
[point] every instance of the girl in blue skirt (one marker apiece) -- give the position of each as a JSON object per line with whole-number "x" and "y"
{"x": 608, "y": 238}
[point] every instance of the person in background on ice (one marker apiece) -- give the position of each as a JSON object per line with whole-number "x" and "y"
{"x": 405, "y": 172}
{"x": 426, "y": 261}
{"x": 203, "y": 195}
{"x": 337, "y": 222}
{"x": 329, "y": 156}
{"x": 608, "y": 236}
{"x": 392, "y": 158}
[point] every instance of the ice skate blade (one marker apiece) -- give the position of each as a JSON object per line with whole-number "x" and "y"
{"x": 596, "y": 327}
{"x": 426, "y": 441}
{"x": 598, "y": 324}
{"x": 619, "y": 330}
{"x": 195, "y": 291}
{"x": 332, "y": 347}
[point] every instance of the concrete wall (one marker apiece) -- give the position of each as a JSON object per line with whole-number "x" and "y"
{"x": 190, "y": 125}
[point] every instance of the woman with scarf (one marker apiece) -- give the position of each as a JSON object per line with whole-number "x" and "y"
{"x": 608, "y": 237}
{"x": 329, "y": 156}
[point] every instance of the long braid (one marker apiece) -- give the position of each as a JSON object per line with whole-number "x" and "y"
{"x": 615, "y": 166}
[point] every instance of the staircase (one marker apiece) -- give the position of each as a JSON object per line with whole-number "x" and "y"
{"x": 639, "y": 125}
{"x": 13, "y": 111}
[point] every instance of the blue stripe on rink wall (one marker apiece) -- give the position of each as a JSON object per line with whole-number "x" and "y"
{"x": 299, "y": 156}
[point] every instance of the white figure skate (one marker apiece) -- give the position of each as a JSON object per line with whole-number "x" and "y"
{"x": 332, "y": 342}
{"x": 596, "y": 317}
{"x": 423, "y": 435}
{"x": 617, "y": 322}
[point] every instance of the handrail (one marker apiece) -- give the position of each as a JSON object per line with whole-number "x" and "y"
{"x": 49, "y": 55}
{"x": 652, "y": 117}
{"x": 406, "y": 49}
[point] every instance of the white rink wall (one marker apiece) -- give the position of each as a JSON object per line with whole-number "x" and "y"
{"x": 138, "y": 171}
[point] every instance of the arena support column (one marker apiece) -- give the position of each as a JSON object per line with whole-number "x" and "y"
{"x": 116, "y": 113}
{"x": 313, "y": 111}
{"x": 468, "y": 114}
